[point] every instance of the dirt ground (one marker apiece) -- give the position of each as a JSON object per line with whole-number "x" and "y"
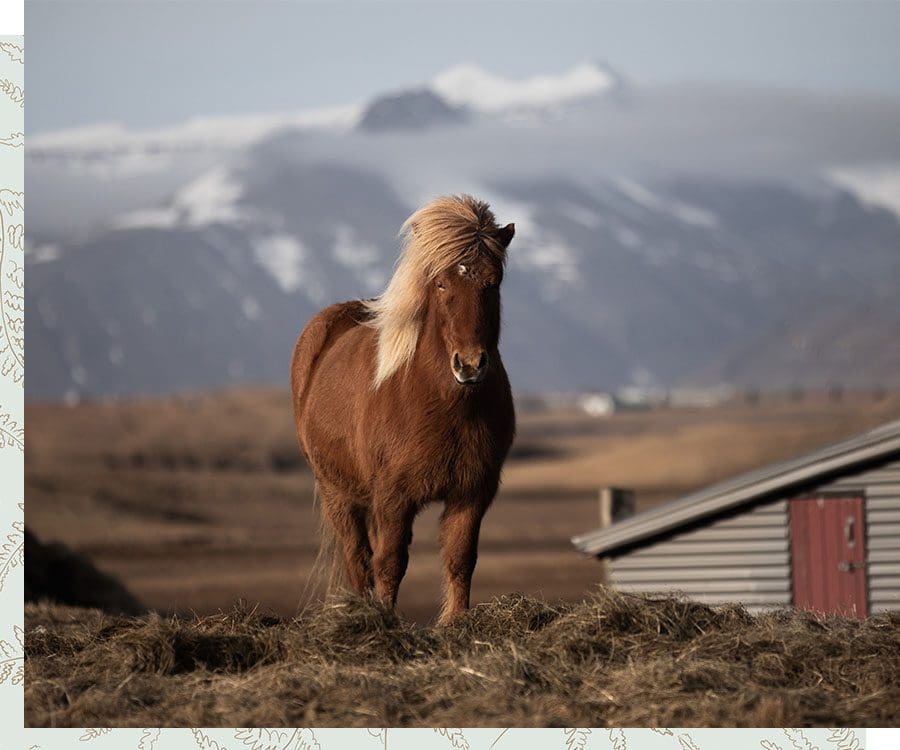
{"x": 198, "y": 501}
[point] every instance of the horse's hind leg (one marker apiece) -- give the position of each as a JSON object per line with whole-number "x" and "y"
{"x": 349, "y": 524}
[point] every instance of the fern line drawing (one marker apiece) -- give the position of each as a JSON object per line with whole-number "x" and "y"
{"x": 13, "y": 51}
{"x": 769, "y": 745}
{"x": 12, "y": 552}
{"x": 687, "y": 742}
{"x": 93, "y": 734}
{"x": 12, "y": 666}
{"x": 148, "y": 739}
{"x": 455, "y": 736}
{"x": 14, "y": 92}
{"x": 13, "y": 140}
{"x": 11, "y": 435}
{"x": 305, "y": 739}
{"x": 799, "y": 740}
{"x": 277, "y": 739}
{"x": 12, "y": 286}
{"x": 617, "y": 739}
{"x": 204, "y": 741}
{"x": 663, "y": 732}
{"x": 381, "y": 733}
{"x": 843, "y": 739}
{"x": 576, "y": 739}
{"x": 11, "y": 201}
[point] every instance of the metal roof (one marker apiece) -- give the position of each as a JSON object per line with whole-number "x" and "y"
{"x": 834, "y": 460}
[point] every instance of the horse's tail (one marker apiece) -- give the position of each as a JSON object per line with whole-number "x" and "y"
{"x": 328, "y": 573}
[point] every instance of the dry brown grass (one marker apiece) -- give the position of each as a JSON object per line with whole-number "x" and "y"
{"x": 612, "y": 660}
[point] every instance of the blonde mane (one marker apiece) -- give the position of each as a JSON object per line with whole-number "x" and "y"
{"x": 449, "y": 230}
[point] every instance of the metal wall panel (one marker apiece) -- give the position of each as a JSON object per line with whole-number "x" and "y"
{"x": 743, "y": 559}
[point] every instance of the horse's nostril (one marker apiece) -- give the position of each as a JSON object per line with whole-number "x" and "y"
{"x": 457, "y": 365}
{"x": 482, "y": 361}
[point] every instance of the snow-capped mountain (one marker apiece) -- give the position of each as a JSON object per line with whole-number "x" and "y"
{"x": 673, "y": 234}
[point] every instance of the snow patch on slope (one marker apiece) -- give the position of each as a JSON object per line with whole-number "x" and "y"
{"x": 472, "y": 86}
{"x": 684, "y": 212}
{"x": 210, "y": 199}
{"x": 359, "y": 256}
{"x": 877, "y": 186}
{"x": 282, "y": 255}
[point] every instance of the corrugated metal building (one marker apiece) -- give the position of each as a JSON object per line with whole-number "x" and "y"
{"x": 821, "y": 532}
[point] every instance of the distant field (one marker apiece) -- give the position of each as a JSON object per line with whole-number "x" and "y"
{"x": 613, "y": 660}
{"x": 195, "y": 502}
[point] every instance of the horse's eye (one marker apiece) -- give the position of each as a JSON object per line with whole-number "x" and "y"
{"x": 440, "y": 284}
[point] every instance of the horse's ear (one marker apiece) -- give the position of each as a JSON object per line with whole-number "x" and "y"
{"x": 506, "y": 234}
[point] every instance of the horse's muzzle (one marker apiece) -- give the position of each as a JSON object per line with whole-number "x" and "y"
{"x": 468, "y": 373}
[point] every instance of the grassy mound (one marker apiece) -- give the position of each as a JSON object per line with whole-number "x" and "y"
{"x": 613, "y": 660}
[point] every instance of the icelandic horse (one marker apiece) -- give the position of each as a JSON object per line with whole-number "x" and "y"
{"x": 403, "y": 400}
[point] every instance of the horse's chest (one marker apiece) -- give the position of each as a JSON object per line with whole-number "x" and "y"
{"x": 460, "y": 459}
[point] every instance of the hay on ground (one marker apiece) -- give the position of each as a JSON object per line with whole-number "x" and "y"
{"x": 612, "y": 660}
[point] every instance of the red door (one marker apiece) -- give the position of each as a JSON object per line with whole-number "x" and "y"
{"x": 828, "y": 551}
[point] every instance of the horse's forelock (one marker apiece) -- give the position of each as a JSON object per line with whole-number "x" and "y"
{"x": 445, "y": 232}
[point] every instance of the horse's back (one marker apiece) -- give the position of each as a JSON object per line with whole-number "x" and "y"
{"x": 319, "y": 335}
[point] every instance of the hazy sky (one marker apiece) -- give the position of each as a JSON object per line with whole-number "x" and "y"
{"x": 152, "y": 63}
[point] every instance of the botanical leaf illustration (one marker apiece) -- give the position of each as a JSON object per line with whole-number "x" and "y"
{"x": 663, "y": 732}
{"x": 617, "y": 738}
{"x": 456, "y": 737}
{"x": 11, "y": 201}
{"x": 576, "y": 739}
{"x": 10, "y": 433}
{"x": 12, "y": 91}
{"x": 148, "y": 739}
{"x": 12, "y": 284}
{"x": 277, "y": 739}
{"x": 799, "y": 740}
{"x": 204, "y": 741}
{"x": 15, "y": 52}
{"x": 843, "y": 739}
{"x": 12, "y": 668}
{"x": 15, "y": 234}
{"x": 93, "y": 734}
{"x": 381, "y": 733}
{"x": 305, "y": 739}
{"x": 14, "y": 140}
{"x": 12, "y": 552}
{"x": 687, "y": 742}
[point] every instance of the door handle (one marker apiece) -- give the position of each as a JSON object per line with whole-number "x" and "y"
{"x": 846, "y": 566}
{"x": 850, "y": 531}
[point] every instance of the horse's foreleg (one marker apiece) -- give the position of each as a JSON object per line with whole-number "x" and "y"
{"x": 393, "y": 531}
{"x": 349, "y": 523}
{"x": 460, "y": 525}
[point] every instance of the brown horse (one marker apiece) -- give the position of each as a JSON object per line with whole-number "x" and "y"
{"x": 403, "y": 400}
